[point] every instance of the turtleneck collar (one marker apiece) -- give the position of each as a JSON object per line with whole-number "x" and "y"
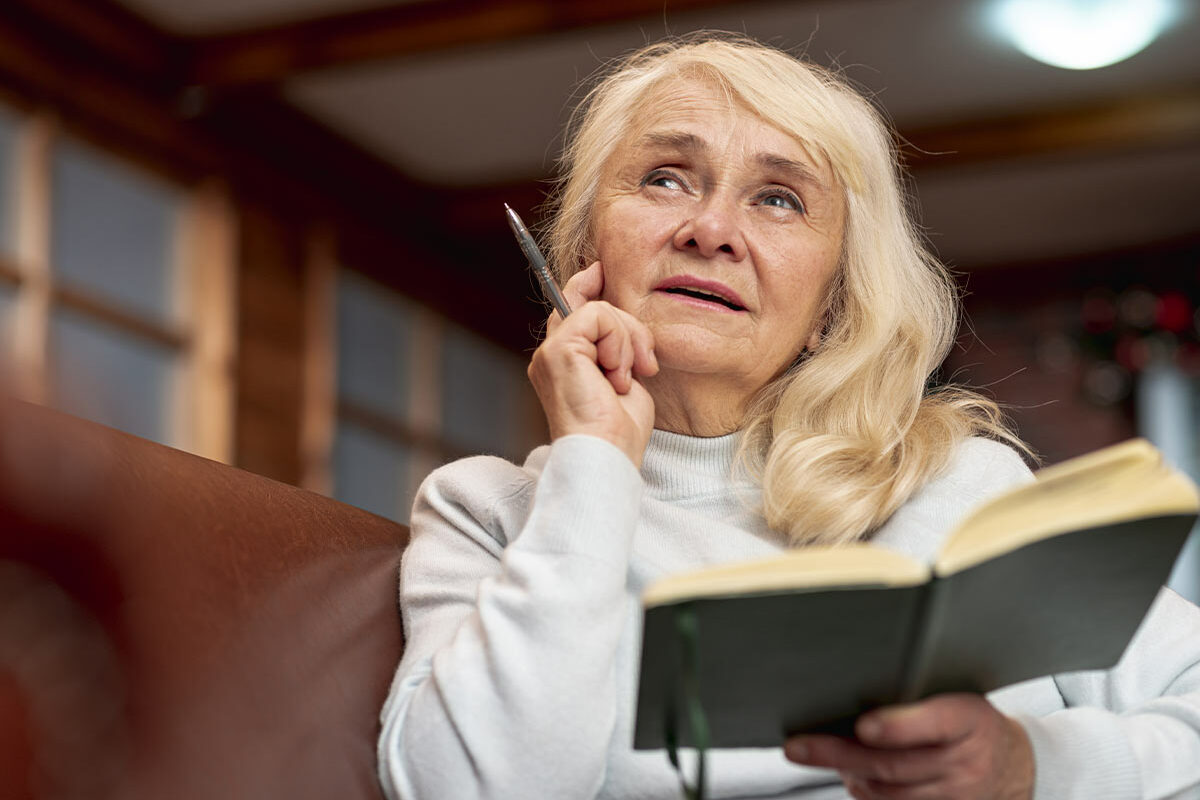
{"x": 677, "y": 466}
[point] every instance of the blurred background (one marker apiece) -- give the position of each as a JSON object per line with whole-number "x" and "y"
{"x": 270, "y": 231}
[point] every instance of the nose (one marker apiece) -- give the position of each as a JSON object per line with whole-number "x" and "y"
{"x": 713, "y": 228}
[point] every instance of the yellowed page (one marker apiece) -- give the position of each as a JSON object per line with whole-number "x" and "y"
{"x": 800, "y": 569}
{"x": 1119, "y": 483}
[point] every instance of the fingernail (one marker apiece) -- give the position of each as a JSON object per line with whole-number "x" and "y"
{"x": 796, "y": 750}
{"x": 869, "y": 728}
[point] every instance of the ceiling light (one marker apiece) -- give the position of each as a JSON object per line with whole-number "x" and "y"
{"x": 1083, "y": 34}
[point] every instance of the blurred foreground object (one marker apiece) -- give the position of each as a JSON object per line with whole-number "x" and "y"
{"x": 174, "y": 627}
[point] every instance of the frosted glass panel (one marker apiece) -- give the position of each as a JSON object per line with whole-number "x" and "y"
{"x": 480, "y": 395}
{"x": 374, "y": 332}
{"x": 111, "y": 377}
{"x": 8, "y": 146}
{"x": 371, "y": 473}
{"x": 113, "y": 231}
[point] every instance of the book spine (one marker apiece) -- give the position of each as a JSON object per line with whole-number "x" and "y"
{"x": 922, "y": 642}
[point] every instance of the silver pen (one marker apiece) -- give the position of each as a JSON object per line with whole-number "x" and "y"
{"x": 537, "y": 263}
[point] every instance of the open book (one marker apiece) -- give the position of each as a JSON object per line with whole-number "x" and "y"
{"x": 1052, "y": 576}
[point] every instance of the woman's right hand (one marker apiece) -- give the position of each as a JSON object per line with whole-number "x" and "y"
{"x": 586, "y": 371}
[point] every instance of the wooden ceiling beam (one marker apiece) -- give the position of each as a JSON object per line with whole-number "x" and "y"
{"x": 1136, "y": 123}
{"x": 88, "y": 94}
{"x": 110, "y": 31}
{"x": 276, "y": 53}
{"x": 1131, "y": 123}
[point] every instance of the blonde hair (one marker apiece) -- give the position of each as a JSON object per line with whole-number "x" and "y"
{"x": 842, "y": 438}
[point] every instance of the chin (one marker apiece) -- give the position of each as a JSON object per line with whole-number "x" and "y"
{"x": 683, "y": 345}
{"x": 697, "y": 360}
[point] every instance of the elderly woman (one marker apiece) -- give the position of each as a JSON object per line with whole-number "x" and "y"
{"x": 745, "y": 371}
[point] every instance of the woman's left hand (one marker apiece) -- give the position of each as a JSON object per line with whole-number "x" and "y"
{"x": 948, "y": 746}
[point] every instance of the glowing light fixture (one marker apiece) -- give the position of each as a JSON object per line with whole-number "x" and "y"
{"x": 1083, "y": 34}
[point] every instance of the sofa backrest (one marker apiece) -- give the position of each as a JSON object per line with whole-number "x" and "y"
{"x": 174, "y": 627}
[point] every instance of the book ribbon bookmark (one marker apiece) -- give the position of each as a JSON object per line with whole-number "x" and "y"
{"x": 688, "y": 628}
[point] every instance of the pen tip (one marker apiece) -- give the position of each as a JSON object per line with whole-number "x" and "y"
{"x": 506, "y": 208}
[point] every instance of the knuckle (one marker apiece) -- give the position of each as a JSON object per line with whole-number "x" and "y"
{"x": 888, "y": 770}
{"x": 855, "y": 787}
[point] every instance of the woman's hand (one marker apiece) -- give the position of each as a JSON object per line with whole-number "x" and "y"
{"x": 949, "y": 746}
{"x": 585, "y": 372}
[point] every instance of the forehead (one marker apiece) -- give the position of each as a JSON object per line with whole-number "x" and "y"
{"x": 706, "y": 113}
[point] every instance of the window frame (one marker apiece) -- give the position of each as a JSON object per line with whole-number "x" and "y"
{"x": 420, "y": 432}
{"x": 204, "y": 336}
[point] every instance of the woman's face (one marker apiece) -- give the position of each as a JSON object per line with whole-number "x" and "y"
{"x": 720, "y": 233}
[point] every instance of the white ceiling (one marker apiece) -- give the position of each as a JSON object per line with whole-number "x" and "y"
{"x": 926, "y": 61}
{"x": 491, "y": 114}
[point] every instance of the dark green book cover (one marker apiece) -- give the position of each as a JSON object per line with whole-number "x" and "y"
{"x": 775, "y": 663}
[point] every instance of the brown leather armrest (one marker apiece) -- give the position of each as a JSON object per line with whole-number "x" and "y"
{"x": 174, "y": 627}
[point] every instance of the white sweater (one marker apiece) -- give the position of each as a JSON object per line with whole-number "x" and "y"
{"x": 519, "y": 593}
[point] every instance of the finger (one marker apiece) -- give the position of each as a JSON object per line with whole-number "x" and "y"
{"x": 582, "y": 287}
{"x": 856, "y": 787}
{"x": 614, "y": 345}
{"x": 866, "y": 789}
{"x": 899, "y": 767}
{"x": 585, "y": 285}
{"x": 942, "y": 719}
{"x": 645, "y": 362}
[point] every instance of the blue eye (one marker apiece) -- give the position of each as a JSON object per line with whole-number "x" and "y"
{"x": 781, "y": 198}
{"x": 664, "y": 179}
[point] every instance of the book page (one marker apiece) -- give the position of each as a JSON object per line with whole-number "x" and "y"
{"x": 1124, "y": 482}
{"x": 810, "y": 568}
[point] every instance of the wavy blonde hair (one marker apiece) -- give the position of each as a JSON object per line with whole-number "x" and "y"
{"x": 847, "y": 433}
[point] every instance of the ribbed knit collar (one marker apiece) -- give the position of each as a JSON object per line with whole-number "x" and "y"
{"x": 677, "y": 466}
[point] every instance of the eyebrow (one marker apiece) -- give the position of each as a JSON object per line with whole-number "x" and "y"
{"x": 773, "y": 162}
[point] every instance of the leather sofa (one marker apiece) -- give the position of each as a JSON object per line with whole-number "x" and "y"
{"x": 171, "y": 627}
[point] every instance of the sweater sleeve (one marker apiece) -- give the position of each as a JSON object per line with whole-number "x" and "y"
{"x": 1132, "y": 731}
{"x": 507, "y": 687}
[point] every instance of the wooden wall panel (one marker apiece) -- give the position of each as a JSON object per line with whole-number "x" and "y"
{"x": 270, "y": 333}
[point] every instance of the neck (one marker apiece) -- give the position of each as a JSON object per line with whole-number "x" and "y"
{"x": 697, "y": 404}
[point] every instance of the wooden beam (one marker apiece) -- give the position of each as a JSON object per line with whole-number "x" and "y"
{"x": 1134, "y": 122}
{"x": 452, "y": 256}
{"x": 318, "y": 412}
{"x": 49, "y": 68}
{"x": 276, "y": 53}
{"x": 390, "y": 227}
{"x": 270, "y": 151}
{"x": 111, "y": 30}
{"x": 31, "y": 320}
{"x": 209, "y": 241}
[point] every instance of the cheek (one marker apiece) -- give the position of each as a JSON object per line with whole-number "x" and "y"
{"x": 801, "y": 290}
{"x": 641, "y": 227}
{"x": 629, "y": 247}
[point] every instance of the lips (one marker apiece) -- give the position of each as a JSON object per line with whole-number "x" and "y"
{"x": 704, "y": 290}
